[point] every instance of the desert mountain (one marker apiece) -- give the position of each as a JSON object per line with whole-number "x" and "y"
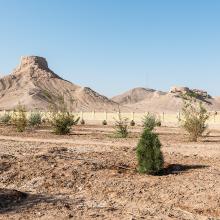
{"x": 36, "y": 86}
{"x": 143, "y": 100}
{"x": 136, "y": 95}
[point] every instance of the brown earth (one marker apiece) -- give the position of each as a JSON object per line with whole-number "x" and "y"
{"x": 89, "y": 174}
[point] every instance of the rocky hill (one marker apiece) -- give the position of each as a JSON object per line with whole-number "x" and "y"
{"x": 143, "y": 100}
{"x": 36, "y": 86}
{"x": 136, "y": 95}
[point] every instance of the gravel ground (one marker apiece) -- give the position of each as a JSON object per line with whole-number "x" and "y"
{"x": 91, "y": 175}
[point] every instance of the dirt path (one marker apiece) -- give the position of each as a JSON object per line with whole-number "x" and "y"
{"x": 209, "y": 149}
{"x": 61, "y": 141}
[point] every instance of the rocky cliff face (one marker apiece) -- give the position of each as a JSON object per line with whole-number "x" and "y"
{"x": 36, "y": 86}
{"x": 178, "y": 89}
{"x": 34, "y": 67}
{"x": 33, "y": 61}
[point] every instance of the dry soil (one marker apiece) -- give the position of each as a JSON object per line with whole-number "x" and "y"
{"x": 91, "y": 175}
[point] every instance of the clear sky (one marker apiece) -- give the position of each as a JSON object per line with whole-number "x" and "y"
{"x": 115, "y": 45}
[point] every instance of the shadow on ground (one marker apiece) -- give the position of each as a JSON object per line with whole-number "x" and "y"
{"x": 212, "y": 141}
{"x": 16, "y": 201}
{"x": 179, "y": 168}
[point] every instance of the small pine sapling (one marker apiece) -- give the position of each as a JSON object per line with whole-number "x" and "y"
{"x": 121, "y": 126}
{"x": 132, "y": 123}
{"x": 149, "y": 155}
{"x": 104, "y": 122}
{"x": 150, "y": 121}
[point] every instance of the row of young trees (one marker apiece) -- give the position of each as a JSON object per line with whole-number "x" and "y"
{"x": 193, "y": 120}
{"x": 149, "y": 155}
{"x": 148, "y": 151}
{"x": 60, "y": 121}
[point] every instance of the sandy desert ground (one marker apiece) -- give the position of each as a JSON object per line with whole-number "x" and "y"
{"x": 91, "y": 175}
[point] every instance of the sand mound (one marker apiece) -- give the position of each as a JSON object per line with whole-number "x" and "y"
{"x": 34, "y": 85}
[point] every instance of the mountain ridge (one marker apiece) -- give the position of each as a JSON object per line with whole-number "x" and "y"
{"x": 144, "y": 99}
{"x": 34, "y": 85}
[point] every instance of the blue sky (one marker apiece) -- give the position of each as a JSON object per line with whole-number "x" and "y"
{"x": 115, "y": 45}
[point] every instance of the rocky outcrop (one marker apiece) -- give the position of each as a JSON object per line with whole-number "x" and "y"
{"x": 193, "y": 92}
{"x": 34, "y": 61}
{"x": 34, "y": 67}
{"x": 178, "y": 89}
{"x": 201, "y": 93}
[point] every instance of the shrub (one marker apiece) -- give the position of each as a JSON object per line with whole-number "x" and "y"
{"x": 61, "y": 119}
{"x": 159, "y": 124}
{"x": 194, "y": 118}
{"x": 46, "y": 117}
{"x": 5, "y": 119}
{"x": 62, "y": 122}
{"x": 121, "y": 126}
{"x": 150, "y": 121}
{"x": 191, "y": 94}
{"x": 132, "y": 123}
{"x": 149, "y": 155}
{"x": 104, "y": 122}
{"x": 82, "y": 122}
{"x": 34, "y": 119}
{"x": 19, "y": 118}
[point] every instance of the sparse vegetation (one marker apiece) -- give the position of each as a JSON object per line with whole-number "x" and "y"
{"x": 195, "y": 95}
{"x": 90, "y": 156}
{"x": 5, "y": 118}
{"x": 194, "y": 118}
{"x": 82, "y": 122}
{"x": 19, "y": 118}
{"x": 62, "y": 122}
{"x": 58, "y": 104}
{"x": 61, "y": 119}
{"x": 159, "y": 124}
{"x": 149, "y": 155}
{"x": 132, "y": 123}
{"x": 192, "y": 94}
{"x": 150, "y": 121}
{"x": 104, "y": 122}
{"x": 35, "y": 119}
{"x": 47, "y": 94}
{"x": 121, "y": 126}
